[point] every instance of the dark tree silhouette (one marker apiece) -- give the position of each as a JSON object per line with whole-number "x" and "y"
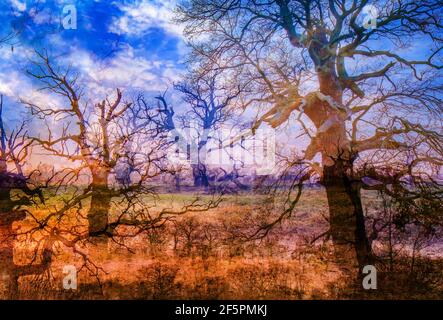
{"x": 209, "y": 108}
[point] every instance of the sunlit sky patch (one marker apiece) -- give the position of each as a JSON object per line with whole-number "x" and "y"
{"x": 132, "y": 45}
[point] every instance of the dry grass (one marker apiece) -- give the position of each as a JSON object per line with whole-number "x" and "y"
{"x": 199, "y": 256}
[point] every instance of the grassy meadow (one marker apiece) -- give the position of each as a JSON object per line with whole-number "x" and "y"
{"x": 207, "y": 255}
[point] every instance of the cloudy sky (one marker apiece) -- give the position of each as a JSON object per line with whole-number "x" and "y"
{"x": 129, "y": 44}
{"x": 132, "y": 45}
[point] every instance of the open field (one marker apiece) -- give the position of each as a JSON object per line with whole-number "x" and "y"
{"x": 221, "y": 150}
{"x": 205, "y": 256}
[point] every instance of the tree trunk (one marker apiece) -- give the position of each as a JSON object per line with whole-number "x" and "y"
{"x": 98, "y": 215}
{"x": 200, "y": 175}
{"x": 8, "y": 276}
{"x": 8, "y": 270}
{"x": 347, "y": 226}
{"x": 199, "y": 169}
{"x": 347, "y": 223}
{"x": 177, "y": 182}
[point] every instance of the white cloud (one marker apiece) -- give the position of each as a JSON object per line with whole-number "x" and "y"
{"x": 14, "y": 82}
{"x": 18, "y": 5}
{"x": 143, "y": 15}
{"x": 41, "y": 16}
{"x": 126, "y": 70}
{"x": 129, "y": 69}
{"x": 9, "y": 84}
{"x": 18, "y": 87}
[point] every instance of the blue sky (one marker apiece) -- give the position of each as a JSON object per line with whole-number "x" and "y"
{"x": 132, "y": 45}
{"x": 128, "y": 44}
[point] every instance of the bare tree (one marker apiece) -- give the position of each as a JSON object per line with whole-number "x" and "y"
{"x": 100, "y": 138}
{"x": 209, "y": 108}
{"x": 17, "y": 194}
{"x": 321, "y": 61}
{"x": 118, "y": 147}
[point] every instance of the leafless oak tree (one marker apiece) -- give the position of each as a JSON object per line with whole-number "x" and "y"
{"x": 117, "y": 147}
{"x": 349, "y": 84}
{"x": 207, "y": 107}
